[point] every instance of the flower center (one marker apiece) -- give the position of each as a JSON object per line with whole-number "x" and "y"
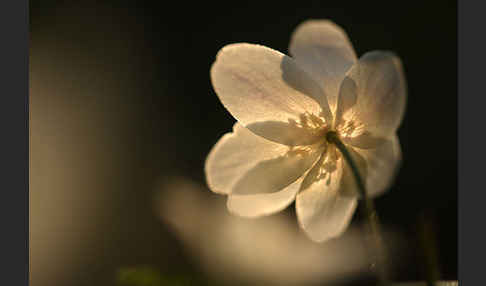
{"x": 311, "y": 122}
{"x": 331, "y": 137}
{"x": 350, "y": 128}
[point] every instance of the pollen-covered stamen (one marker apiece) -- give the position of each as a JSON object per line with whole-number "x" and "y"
{"x": 299, "y": 150}
{"x": 350, "y": 128}
{"x": 311, "y": 122}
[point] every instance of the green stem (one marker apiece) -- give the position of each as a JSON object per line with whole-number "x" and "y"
{"x": 369, "y": 209}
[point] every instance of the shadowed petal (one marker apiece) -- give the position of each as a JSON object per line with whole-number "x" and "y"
{"x": 377, "y": 166}
{"x": 257, "y": 84}
{"x": 236, "y": 153}
{"x": 372, "y": 97}
{"x": 323, "y": 49}
{"x": 263, "y": 204}
{"x": 307, "y": 131}
{"x": 322, "y": 212}
{"x": 364, "y": 141}
{"x": 382, "y": 165}
{"x": 251, "y": 164}
{"x": 273, "y": 175}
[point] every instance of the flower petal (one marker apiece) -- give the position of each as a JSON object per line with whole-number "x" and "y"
{"x": 323, "y": 49}
{"x": 322, "y": 212}
{"x": 372, "y": 97}
{"x": 259, "y": 85}
{"x": 234, "y": 154}
{"x": 364, "y": 141}
{"x": 378, "y": 166}
{"x": 237, "y": 157}
{"x": 263, "y": 204}
{"x": 273, "y": 175}
{"x": 382, "y": 164}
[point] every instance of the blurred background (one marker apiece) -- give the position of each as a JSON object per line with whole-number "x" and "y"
{"x": 122, "y": 113}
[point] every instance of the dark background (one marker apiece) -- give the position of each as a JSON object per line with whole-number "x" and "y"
{"x": 171, "y": 117}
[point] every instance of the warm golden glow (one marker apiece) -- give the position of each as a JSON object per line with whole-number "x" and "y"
{"x": 350, "y": 128}
{"x": 267, "y": 250}
{"x": 276, "y": 99}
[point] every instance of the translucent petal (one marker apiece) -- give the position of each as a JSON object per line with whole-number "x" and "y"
{"x": 272, "y": 175}
{"x": 382, "y": 164}
{"x": 364, "y": 141}
{"x": 247, "y": 163}
{"x": 377, "y": 166}
{"x": 322, "y": 212}
{"x": 236, "y": 153}
{"x": 264, "y": 89}
{"x": 323, "y": 49}
{"x": 372, "y": 97}
{"x": 263, "y": 204}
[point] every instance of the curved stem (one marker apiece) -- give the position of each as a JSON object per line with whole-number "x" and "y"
{"x": 369, "y": 209}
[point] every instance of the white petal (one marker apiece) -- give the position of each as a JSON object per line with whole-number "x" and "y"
{"x": 236, "y": 153}
{"x": 323, "y": 49}
{"x": 322, "y": 212}
{"x": 382, "y": 164}
{"x": 251, "y": 164}
{"x": 377, "y": 166}
{"x": 263, "y": 204}
{"x": 372, "y": 97}
{"x": 264, "y": 89}
{"x": 273, "y": 175}
{"x": 364, "y": 141}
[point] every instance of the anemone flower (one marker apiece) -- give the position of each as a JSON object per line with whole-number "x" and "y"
{"x": 295, "y": 117}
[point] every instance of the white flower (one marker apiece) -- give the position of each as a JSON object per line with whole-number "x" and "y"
{"x": 285, "y": 106}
